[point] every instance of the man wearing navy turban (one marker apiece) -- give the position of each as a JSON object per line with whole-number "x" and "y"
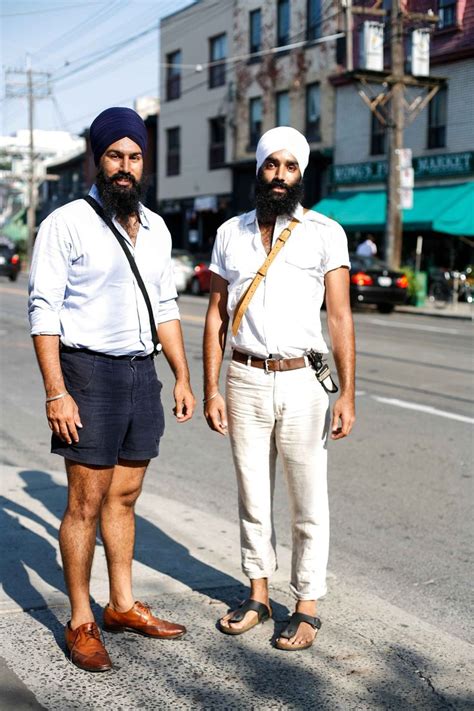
{"x": 95, "y": 345}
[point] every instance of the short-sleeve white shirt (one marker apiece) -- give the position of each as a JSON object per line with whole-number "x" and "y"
{"x": 283, "y": 317}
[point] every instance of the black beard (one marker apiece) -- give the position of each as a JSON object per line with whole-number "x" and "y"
{"x": 269, "y": 206}
{"x": 117, "y": 201}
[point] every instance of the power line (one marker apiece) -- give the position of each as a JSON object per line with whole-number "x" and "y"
{"x": 94, "y": 18}
{"x": 51, "y": 9}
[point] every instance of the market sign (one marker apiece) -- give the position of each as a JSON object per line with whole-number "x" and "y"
{"x": 435, "y": 166}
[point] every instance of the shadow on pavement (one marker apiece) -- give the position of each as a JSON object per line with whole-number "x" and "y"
{"x": 154, "y": 548}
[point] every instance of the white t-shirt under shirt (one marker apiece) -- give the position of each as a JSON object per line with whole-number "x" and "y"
{"x": 283, "y": 317}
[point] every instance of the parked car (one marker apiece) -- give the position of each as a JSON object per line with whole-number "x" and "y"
{"x": 10, "y": 262}
{"x": 200, "y": 280}
{"x": 183, "y": 268}
{"x": 373, "y": 282}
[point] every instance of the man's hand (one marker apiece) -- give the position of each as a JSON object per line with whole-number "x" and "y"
{"x": 343, "y": 417}
{"x": 63, "y": 418}
{"x": 184, "y": 401}
{"x": 216, "y": 415}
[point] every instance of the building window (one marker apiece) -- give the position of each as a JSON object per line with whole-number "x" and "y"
{"x": 437, "y": 115}
{"x": 282, "y": 108}
{"x": 313, "y": 19}
{"x": 377, "y": 136}
{"x": 313, "y": 112}
{"x": 255, "y": 31}
{"x": 447, "y": 13}
{"x": 255, "y": 121}
{"x": 283, "y": 23}
{"x": 216, "y": 142}
{"x": 173, "y": 151}
{"x": 173, "y": 75}
{"x": 217, "y": 52}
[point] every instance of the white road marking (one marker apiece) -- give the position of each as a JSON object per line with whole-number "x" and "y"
{"x": 358, "y": 393}
{"x": 423, "y": 408}
{"x": 399, "y": 324}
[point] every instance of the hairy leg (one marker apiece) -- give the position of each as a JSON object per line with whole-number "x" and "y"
{"x": 87, "y": 487}
{"x": 117, "y": 526}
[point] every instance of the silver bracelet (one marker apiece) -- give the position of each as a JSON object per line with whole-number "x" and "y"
{"x": 206, "y": 399}
{"x": 56, "y": 397}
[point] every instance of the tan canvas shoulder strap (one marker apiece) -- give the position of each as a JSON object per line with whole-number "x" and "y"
{"x": 259, "y": 276}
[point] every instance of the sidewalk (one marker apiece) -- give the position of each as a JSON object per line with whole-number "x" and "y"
{"x": 461, "y": 311}
{"x": 369, "y": 654}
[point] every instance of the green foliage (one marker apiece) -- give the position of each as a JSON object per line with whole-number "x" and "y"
{"x": 412, "y": 282}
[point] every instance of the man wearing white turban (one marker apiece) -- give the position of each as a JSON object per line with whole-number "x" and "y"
{"x": 274, "y": 404}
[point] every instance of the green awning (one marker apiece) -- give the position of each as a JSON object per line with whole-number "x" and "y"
{"x": 16, "y": 229}
{"x": 441, "y": 208}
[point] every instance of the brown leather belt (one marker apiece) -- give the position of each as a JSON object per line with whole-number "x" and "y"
{"x": 270, "y": 364}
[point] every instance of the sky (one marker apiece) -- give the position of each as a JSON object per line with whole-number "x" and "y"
{"x": 68, "y": 39}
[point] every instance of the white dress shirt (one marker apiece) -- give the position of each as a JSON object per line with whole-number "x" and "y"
{"x": 83, "y": 289}
{"x": 283, "y": 317}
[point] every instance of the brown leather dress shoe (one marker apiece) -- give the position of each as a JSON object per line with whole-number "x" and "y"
{"x": 141, "y": 620}
{"x": 86, "y": 649}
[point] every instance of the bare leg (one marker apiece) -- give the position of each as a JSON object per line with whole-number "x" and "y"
{"x": 117, "y": 526}
{"x": 259, "y": 592}
{"x": 87, "y": 487}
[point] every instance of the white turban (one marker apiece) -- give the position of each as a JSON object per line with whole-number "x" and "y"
{"x": 283, "y": 138}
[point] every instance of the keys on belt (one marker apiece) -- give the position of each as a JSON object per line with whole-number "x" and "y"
{"x": 272, "y": 365}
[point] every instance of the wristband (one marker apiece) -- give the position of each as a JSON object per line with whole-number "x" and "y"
{"x": 206, "y": 399}
{"x": 56, "y": 397}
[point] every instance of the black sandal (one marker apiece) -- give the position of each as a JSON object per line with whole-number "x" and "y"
{"x": 292, "y": 628}
{"x": 263, "y": 614}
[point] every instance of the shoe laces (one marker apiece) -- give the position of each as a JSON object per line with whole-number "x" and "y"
{"x": 143, "y": 607}
{"x": 93, "y": 632}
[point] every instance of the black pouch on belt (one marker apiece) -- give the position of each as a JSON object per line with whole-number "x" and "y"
{"x": 322, "y": 371}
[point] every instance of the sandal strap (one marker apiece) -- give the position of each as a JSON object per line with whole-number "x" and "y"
{"x": 251, "y": 606}
{"x": 295, "y": 620}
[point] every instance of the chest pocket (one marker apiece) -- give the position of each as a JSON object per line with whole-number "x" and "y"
{"x": 302, "y": 255}
{"x": 243, "y": 265}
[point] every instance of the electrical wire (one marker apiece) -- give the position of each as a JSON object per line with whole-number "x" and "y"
{"x": 51, "y": 9}
{"x": 96, "y": 18}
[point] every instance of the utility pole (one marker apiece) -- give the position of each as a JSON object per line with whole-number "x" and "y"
{"x": 349, "y": 37}
{"x": 391, "y": 108}
{"x": 393, "y": 225}
{"x": 31, "y": 176}
{"x": 35, "y": 87}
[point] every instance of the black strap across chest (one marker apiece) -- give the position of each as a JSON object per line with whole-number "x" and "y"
{"x": 122, "y": 242}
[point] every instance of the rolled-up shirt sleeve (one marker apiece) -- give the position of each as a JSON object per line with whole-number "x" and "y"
{"x": 168, "y": 308}
{"x": 336, "y": 253}
{"x": 217, "y": 264}
{"x": 48, "y": 276}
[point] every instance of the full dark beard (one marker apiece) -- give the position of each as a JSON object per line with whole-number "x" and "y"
{"x": 269, "y": 206}
{"x": 117, "y": 201}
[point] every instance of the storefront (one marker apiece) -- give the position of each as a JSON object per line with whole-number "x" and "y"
{"x": 442, "y": 212}
{"x": 193, "y": 222}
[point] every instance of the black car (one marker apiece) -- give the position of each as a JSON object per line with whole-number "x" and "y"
{"x": 373, "y": 282}
{"x": 10, "y": 262}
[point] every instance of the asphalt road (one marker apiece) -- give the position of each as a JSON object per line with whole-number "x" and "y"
{"x": 400, "y": 486}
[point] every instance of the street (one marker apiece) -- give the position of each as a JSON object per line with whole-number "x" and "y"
{"x": 397, "y": 621}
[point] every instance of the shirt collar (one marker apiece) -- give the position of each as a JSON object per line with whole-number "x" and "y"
{"x": 251, "y": 216}
{"x": 94, "y": 193}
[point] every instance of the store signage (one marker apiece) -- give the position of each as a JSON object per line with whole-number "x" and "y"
{"x": 435, "y": 166}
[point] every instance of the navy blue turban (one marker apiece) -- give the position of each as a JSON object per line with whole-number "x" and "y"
{"x": 112, "y": 125}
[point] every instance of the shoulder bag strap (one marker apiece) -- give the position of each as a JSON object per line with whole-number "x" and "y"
{"x": 100, "y": 211}
{"x": 259, "y": 276}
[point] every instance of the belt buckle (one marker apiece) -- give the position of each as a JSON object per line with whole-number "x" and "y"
{"x": 265, "y": 365}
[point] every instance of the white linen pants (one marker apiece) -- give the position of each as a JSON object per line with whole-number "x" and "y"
{"x": 284, "y": 413}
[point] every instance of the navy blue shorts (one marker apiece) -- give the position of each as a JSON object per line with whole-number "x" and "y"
{"x": 119, "y": 405}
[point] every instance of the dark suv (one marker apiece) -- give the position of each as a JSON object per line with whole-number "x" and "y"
{"x": 10, "y": 262}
